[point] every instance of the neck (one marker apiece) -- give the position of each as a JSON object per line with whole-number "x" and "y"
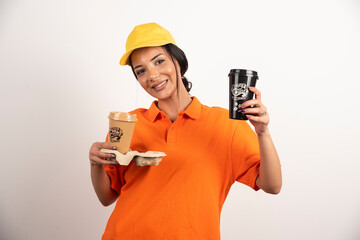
{"x": 173, "y": 105}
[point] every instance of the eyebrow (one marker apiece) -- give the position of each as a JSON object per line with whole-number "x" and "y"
{"x": 150, "y": 60}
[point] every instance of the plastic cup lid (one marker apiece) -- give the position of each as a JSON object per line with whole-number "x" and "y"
{"x": 123, "y": 116}
{"x": 243, "y": 72}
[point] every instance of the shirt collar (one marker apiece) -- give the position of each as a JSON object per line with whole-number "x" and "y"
{"x": 193, "y": 110}
{"x": 153, "y": 112}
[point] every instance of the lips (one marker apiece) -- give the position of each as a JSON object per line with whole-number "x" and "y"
{"x": 159, "y": 85}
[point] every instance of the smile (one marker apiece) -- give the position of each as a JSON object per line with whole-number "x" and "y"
{"x": 158, "y": 87}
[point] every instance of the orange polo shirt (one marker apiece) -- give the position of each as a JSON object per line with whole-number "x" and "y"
{"x": 182, "y": 197}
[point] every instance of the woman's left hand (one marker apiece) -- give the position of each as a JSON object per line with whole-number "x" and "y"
{"x": 257, "y": 114}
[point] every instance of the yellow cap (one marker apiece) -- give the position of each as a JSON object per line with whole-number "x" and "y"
{"x": 146, "y": 35}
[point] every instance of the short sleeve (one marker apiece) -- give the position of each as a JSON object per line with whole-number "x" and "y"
{"x": 116, "y": 174}
{"x": 245, "y": 155}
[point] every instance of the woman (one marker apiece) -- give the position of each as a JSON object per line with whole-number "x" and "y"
{"x": 206, "y": 152}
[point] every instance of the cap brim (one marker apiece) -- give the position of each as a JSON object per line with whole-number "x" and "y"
{"x": 125, "y": 58}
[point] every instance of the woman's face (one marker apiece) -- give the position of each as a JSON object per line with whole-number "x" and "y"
{"x": 155, "y": 71}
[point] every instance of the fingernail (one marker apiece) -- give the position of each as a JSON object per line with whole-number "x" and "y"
{"x": 114, "y": 147}
{"x": 113, "y": 155}
{"x": 113, "y": 163}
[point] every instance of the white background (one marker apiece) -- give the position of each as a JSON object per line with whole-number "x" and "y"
{"x": 60, "y": 77}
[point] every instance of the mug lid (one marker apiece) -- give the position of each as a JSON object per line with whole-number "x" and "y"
{"x": 123, "y": 116}
{"x": 243, "y": 72}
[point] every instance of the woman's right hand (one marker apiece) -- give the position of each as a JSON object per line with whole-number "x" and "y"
{"x": 99, "y": 158}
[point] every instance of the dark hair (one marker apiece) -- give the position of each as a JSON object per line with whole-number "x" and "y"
{"x": 175, "y": 53}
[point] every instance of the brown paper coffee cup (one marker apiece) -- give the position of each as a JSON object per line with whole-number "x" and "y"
{"x": 121, "y": 129}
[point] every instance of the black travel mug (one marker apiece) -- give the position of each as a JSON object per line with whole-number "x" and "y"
{"x": 239, "y": 82}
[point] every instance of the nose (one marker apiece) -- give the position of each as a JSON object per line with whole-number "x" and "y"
{"x": 153, "y": 73}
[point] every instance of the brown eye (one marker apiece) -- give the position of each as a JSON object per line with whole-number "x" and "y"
{"x": 159, "y": 61}
{"x": 140, "y": 71}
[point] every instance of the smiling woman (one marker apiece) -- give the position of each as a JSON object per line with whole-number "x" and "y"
{"x": 179, "y": 56}
{"x": 206, "y": 152}
{"x": 158, "y": 72}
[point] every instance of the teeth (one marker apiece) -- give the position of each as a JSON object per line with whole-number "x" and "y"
{"x": 161, "y": 84}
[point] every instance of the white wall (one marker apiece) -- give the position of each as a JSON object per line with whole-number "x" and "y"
{"x": 60, "y": 77}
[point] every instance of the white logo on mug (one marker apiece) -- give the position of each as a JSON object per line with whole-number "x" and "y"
{"x": 239, "y": 91}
